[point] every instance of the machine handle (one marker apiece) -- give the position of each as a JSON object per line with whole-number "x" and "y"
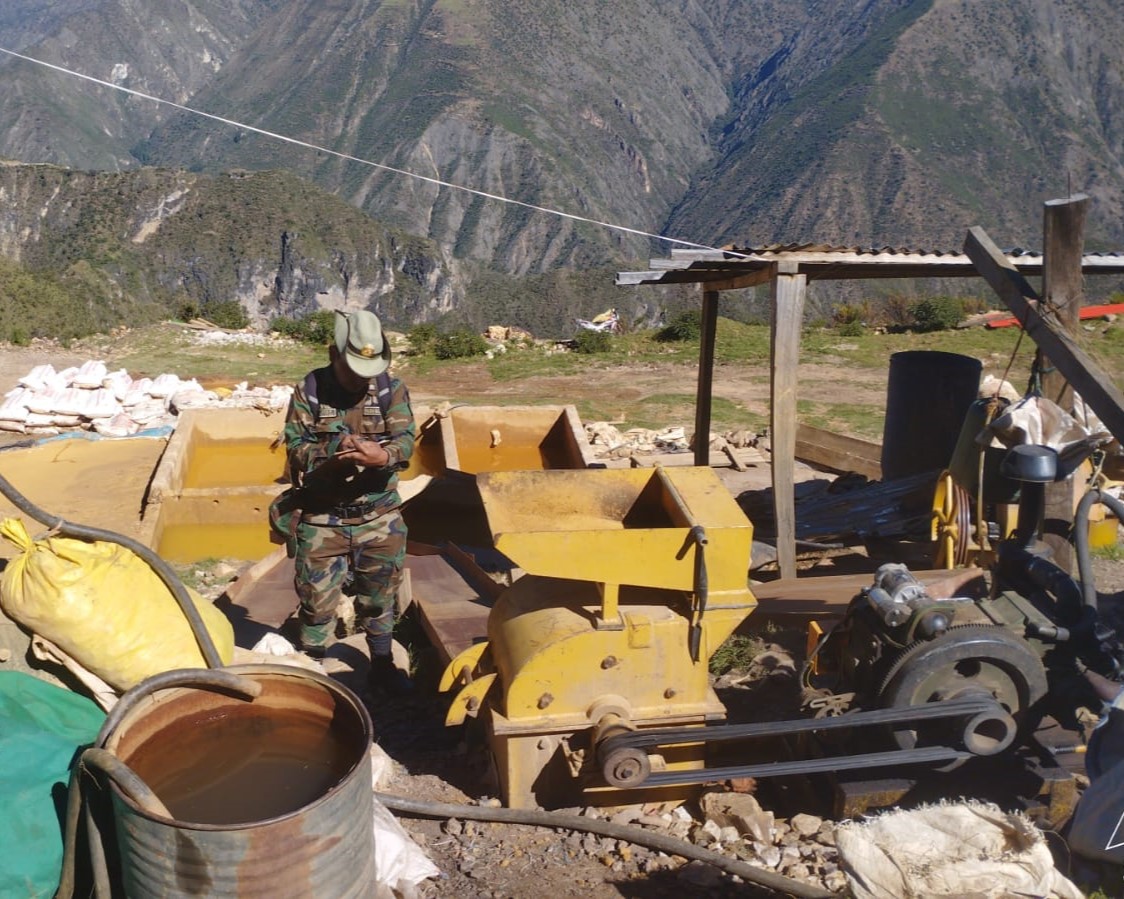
{"x": 698, "y": 536}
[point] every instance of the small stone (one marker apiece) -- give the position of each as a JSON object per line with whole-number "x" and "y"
{"x": 5, "y": 654}
{"x": 826, "y": 835}
{"x": 771, "y": 857}
{"x": 729, "y": 835}
{"x": 806, "y": 825}
{"x": 453, "y": 827}
{"x": 713, "y": 829}
{"x": 836, "y": 881}
{"x": 490, "y": 802}
{"x": 658, "y": 821}
{"x": 628, "y": 815}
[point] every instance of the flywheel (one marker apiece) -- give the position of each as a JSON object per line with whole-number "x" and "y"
{"x": 951, "y": 522}
{"x": 969, "y": 660}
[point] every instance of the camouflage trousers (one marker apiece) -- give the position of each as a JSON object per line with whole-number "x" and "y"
{"x": 368, "y": 555}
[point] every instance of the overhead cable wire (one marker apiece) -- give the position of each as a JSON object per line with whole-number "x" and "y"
{"x": 377, "y": 165}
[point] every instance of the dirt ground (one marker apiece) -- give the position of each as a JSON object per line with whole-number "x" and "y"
{"x": 435, "y": 763}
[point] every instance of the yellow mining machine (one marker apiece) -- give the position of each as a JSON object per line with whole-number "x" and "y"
{"x": 593, "y": 683}
{"x": 634, "y": 577}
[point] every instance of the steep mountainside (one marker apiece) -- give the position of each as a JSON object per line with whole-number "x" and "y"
{"x": 896, "y": 122}
{"x": 946, "y": 115}
{"x": 142, "y": 243}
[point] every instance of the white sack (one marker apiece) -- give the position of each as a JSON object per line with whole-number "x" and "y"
{"x": 966, "y": 849}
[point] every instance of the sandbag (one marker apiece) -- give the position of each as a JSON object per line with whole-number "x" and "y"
{"x": 104, "y": 605}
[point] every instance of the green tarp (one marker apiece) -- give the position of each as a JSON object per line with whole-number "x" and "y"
{"x": 41, "y": 729}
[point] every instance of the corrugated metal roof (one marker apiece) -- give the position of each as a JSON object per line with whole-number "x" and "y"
{"x": 821, "y": 261}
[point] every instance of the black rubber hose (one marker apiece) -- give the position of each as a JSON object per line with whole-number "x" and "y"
{"x": 214, "y": 678}
{"x": 1081, "y": 539}
{"x": 162, "y": 569}
{"x": 111, "y": 767}
{"x": 777, "y": 882}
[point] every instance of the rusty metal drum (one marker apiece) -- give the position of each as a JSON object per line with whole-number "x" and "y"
{"x": 269, "y": 797}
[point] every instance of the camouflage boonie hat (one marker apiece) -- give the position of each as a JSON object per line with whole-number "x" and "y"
{"x": 361, "y": 342}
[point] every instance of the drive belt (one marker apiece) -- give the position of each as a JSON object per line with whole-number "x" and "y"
{"x": 624, "y": 761}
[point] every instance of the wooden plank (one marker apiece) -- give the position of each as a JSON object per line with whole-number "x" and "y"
{"x": 787, "y": 318}
{"x": 453, "y": 613}
{"x": 1088, "y": 379}
{"x": 1063, "y": 294}
{"x": 838, "y": 452}
{"x": 703, "y": 397}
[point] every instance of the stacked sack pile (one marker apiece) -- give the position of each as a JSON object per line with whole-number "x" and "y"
{"x": 92, "y": 398}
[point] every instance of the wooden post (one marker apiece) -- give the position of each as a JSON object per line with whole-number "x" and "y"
{"x": 1063, "y": 293}
{"x": 706, "y": 376}
{"x": 787, "y": 298}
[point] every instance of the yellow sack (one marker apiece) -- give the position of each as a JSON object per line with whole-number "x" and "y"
{"x": 104, "y": 605}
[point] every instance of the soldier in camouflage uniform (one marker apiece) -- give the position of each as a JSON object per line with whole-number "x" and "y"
{"x": 345, "y": 446}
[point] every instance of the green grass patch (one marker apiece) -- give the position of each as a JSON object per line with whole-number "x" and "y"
{"x": 846, "y": 418}
{"x": 738, "y": 652}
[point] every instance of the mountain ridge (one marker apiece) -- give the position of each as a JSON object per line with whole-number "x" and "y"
{"x": 849, "y": 122}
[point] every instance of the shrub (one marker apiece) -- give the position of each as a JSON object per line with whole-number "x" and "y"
{"x": 937, "y": 313}
{"x": 188, "y": 310}
{"x": 422, "y": 338}
{"x": 590, "y": 342}
{"x": 317, "y": 329}
{"x": 227, "y": 314}
{"x": 459, "y": 344}
{"x": 850, "y": 329}
{"x": 850, "y": 314}
{"x": 685, "y": 326}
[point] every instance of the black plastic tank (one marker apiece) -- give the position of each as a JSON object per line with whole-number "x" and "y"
{"x": 928, "y": 394}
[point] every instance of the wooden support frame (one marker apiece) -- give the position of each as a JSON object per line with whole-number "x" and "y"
{"x": 703, "y": 399}
{"x": 787, "y": 300}
{"x": 787, "y": 270}
{"x": 1063, "y": 293}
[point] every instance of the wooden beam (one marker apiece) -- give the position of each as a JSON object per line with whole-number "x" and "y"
{"x": 1086, "y": 377}
{"x": 740, "y": 282}
{"x": 787, "y": 298}
{"x": 706, "y": 376}
{"x": 1063, "y": 293}
{"x": 838, "y": 452}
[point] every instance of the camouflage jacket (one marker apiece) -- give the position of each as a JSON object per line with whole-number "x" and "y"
{"x": 330, "y": 492}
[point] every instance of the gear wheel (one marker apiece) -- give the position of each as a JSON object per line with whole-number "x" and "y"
{"x": 964, "y": 661}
